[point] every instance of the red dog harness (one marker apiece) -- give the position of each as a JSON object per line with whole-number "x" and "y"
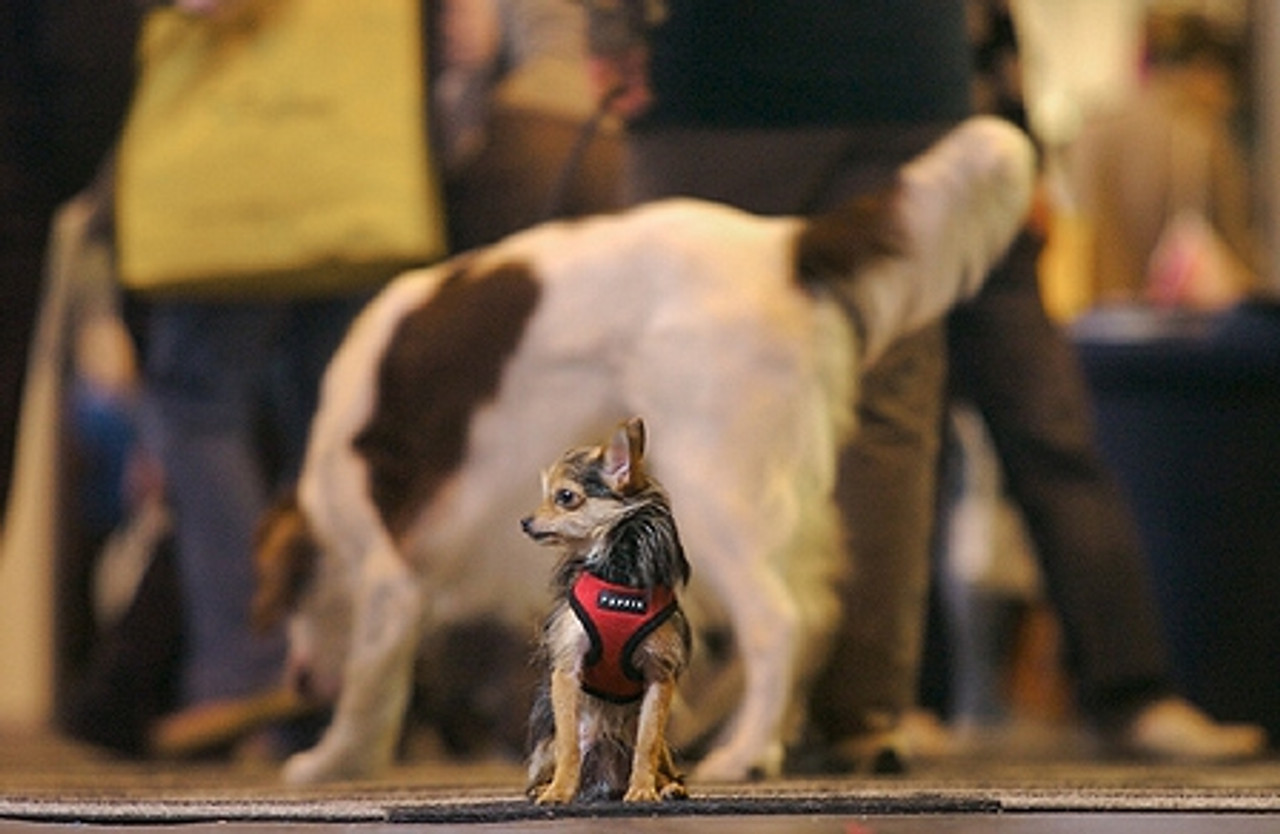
{"x": 617, "y": 619}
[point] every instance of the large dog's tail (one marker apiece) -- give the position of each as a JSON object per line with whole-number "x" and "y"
{"x": 285, "y": 557}
{"x": 900, "y": 260}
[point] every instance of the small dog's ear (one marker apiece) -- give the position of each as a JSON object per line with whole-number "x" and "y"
{"x": 635, "y": 436}
{"x": 623, "y": 468}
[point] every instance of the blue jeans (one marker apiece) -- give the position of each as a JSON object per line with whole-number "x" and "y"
{"x": 231, "y": 390}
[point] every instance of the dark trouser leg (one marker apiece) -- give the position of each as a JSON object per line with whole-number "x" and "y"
{"x": 204, "y": 368}
{"x": 515, "y": 181}
{"x": 1022, "y": 374}
{"x": 888, "y": 475}
{"x": 887, "y": 496}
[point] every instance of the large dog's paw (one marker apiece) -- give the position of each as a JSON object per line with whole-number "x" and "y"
{"x": 310, "y": 767}
{"x": 739, "y": 764}
{"x": 306, "y": 768}
{"x": 326, "y": 764}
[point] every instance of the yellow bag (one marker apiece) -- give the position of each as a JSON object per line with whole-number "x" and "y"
{"x": 283, "y": 152}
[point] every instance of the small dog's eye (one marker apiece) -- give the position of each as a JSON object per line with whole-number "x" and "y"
{"x": 567, "y": 498}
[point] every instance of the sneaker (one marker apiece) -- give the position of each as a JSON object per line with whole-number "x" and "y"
{"x": 1173, "y": 729}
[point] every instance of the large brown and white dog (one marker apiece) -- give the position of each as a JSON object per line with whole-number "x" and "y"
{"x": 740, "y": 339}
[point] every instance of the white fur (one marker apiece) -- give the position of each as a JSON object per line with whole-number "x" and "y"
{"x": 687, "y": 314}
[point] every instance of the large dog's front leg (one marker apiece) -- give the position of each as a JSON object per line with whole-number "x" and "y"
{"x": 565, "y": 692}
{"x": 377, "y": 677}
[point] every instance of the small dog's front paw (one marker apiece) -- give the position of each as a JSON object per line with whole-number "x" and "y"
{"x": 661, "y": 788}
{"x": 674, "y": 789}
{"x": 556, "y": 794}
{"x": 643, "y": 794}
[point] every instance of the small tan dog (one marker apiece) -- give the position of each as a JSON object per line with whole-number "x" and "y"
{"x": 616, "y": 640}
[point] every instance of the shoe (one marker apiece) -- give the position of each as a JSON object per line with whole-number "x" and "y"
{"x": 882, "y": 749}
{"x": 1173, "y": 729}
{"x": 218, "y": 725}
{"x": 864, "y": 754}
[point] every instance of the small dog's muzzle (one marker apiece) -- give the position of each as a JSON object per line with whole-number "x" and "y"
{"x": 526, "y": 524}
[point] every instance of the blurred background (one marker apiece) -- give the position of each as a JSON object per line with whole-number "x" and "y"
{"x": 1159, "y": 127}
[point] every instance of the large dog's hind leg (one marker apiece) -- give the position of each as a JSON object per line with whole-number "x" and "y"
{"x": 766, "y": 624}
{"x": 377, "y": 678}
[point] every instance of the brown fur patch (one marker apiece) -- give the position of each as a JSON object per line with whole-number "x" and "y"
{"x": 284, "y": 558}
{"x": 835, "y": 245}
{"x": 444, "y": 361}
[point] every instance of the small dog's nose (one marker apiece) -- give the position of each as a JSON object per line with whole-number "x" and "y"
{"x": 526, "y": 524}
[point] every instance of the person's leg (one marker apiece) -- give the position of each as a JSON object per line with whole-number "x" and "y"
{"x": 310, "y": 334}
{"x": 886, "y": 492}
{"x": 763, "y": 171}
{"x": 1017, "y": 367}
{"x": 204, "y": 366}
{"x": 525, "y": 175}
{"x": 888, "y": 476}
